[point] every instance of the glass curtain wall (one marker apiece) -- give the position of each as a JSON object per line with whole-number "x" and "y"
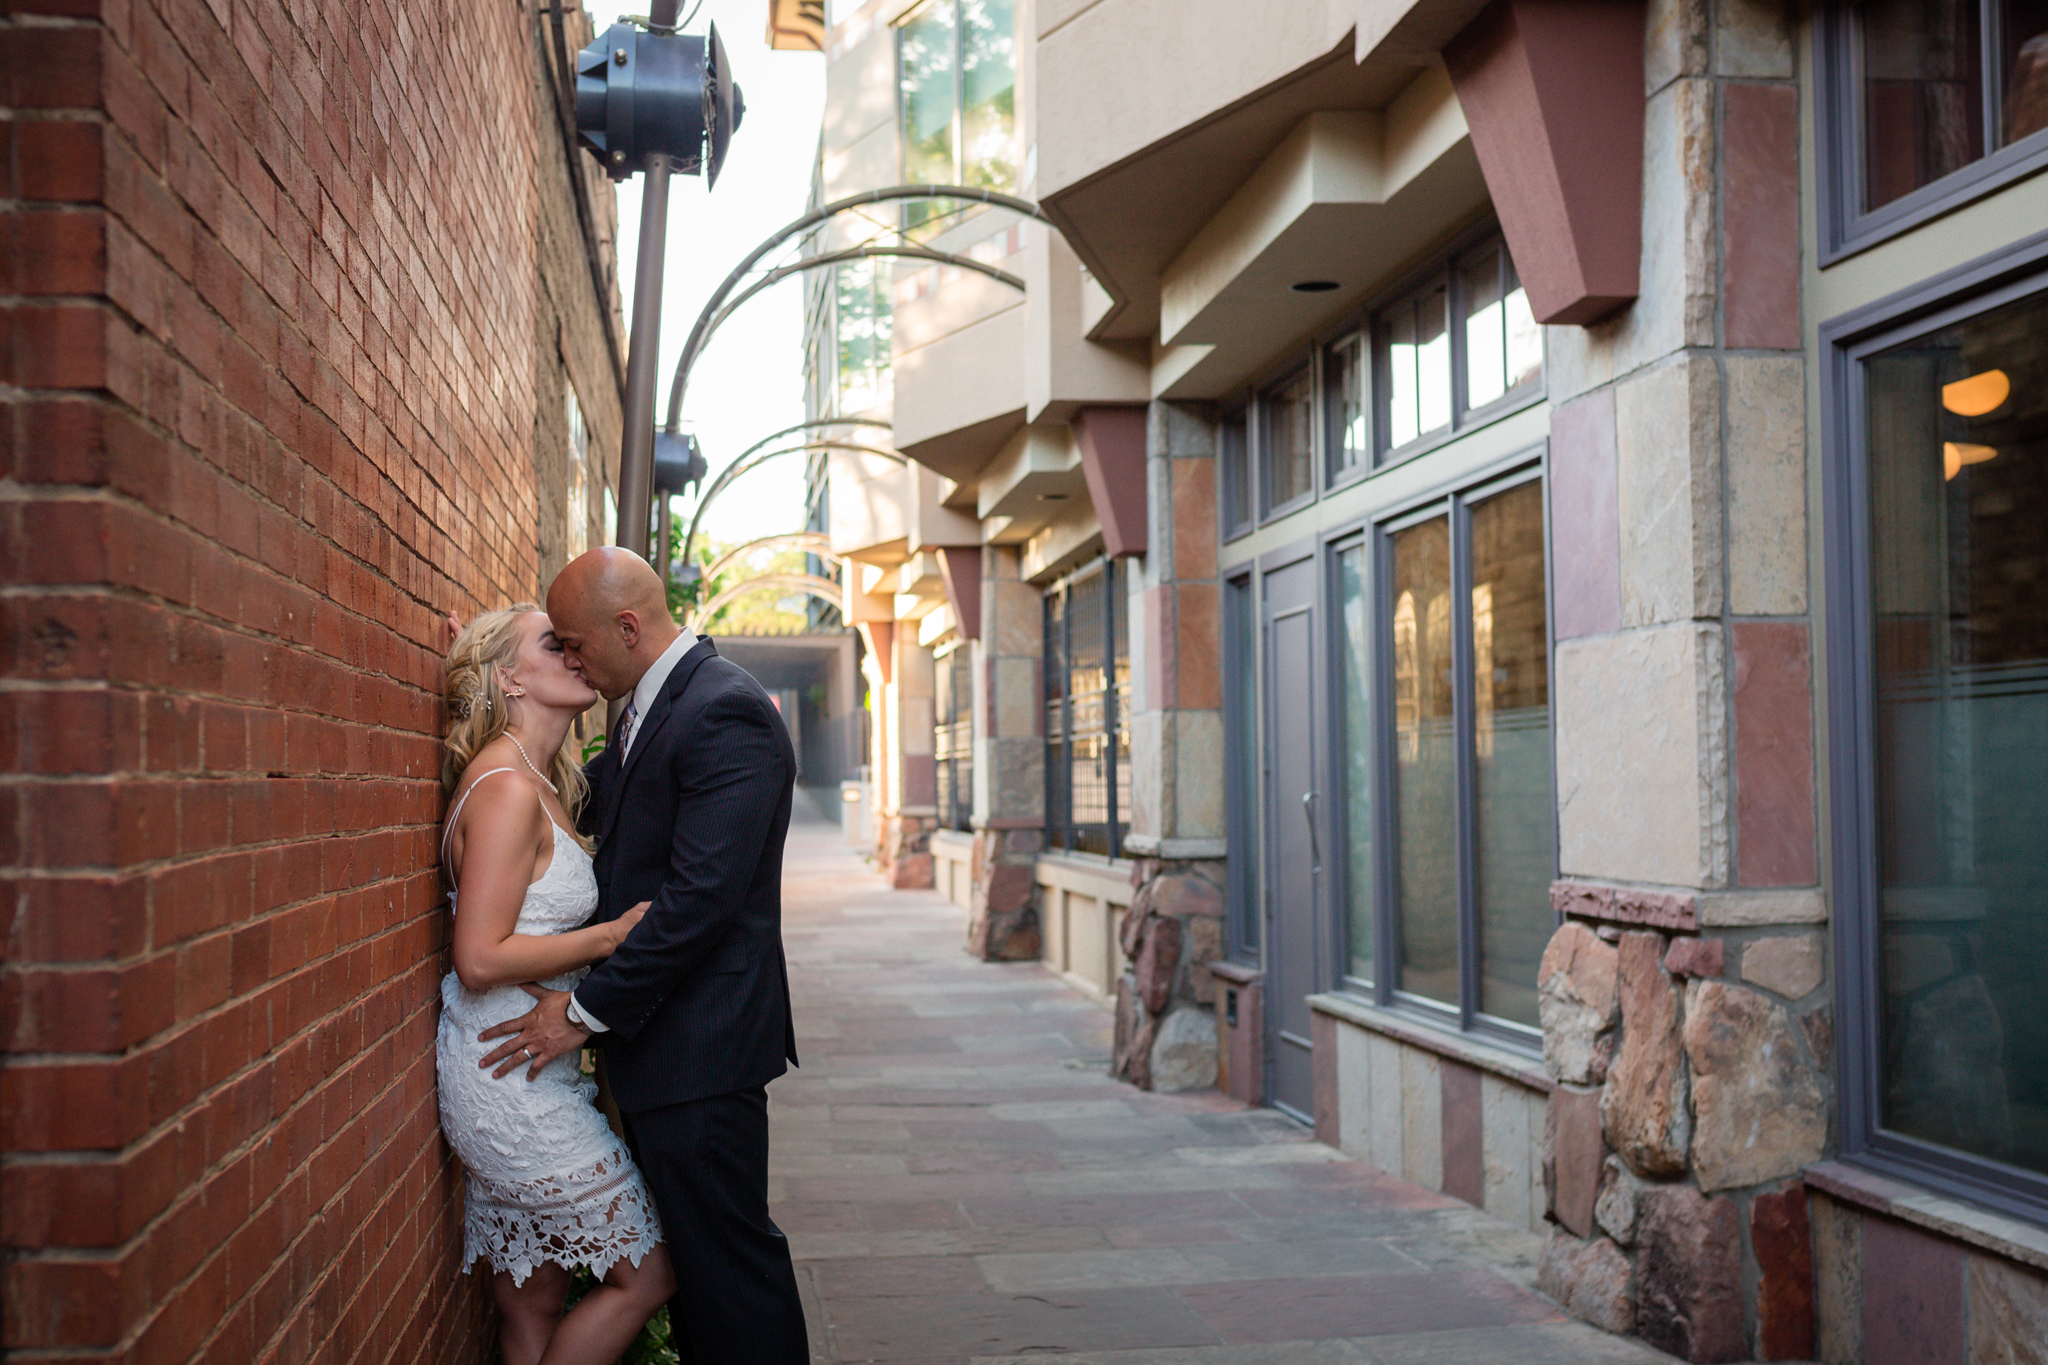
{"x": 866, "y": 317}
{"x": 956, "y": 73}
{"x": 1087, "y": 709}
{"x": 1957, "y": 427}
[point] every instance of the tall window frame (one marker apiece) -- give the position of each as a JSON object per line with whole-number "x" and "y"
{"x": 961, "y": 49}
{"x": 1375, "y": 538}
{"x": 1087, "y": 679}
{"x": 1243, "y": 766}
{"x": 953, "y": 737}
{"x": 1846, "y": 227}
{"x": 2011, "y": 275}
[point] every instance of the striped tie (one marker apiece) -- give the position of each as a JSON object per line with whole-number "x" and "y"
{"x": 626, "y": 729}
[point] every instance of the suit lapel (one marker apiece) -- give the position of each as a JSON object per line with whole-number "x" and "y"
{"x": 650, "y": 725}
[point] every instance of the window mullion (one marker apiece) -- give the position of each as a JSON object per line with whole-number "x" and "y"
{"x": 1463, "y": 728}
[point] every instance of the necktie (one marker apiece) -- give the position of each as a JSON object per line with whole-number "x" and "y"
{"x": 626, "y": 718}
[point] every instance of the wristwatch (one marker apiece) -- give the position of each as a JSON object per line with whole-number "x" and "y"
{"x": 577, "y": 1017}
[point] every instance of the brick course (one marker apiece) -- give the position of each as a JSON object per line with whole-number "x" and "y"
{"x": 292, "y": 296}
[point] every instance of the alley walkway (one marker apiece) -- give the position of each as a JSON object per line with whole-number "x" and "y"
{"x": 961, "y": 1181}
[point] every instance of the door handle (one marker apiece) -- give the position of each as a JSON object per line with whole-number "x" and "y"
{"x": 1315, "y": 848}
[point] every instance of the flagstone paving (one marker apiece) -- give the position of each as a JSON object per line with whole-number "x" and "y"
{"x": 962, "y": 1182}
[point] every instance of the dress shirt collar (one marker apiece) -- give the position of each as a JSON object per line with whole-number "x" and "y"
{"x": 652, "y": 681}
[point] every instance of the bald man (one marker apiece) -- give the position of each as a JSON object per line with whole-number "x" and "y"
{"x": 689, "y": 803}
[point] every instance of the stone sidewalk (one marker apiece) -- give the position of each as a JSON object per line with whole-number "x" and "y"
{"x": 962, "y": 1182}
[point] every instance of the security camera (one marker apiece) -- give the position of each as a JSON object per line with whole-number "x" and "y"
{"x": 651, "y": 91}
{"x": 678, "y": 462}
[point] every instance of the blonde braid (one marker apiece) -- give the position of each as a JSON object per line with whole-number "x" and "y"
{"x": 477, "y": 712}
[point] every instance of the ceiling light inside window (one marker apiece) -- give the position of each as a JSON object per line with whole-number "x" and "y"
{"x": 1955, "y": 455}
{"x": 1977, "y": 395}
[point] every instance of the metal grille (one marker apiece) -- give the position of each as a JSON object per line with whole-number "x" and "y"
{"x": 955, "y": 739}
{"x": 1087, "y": 672}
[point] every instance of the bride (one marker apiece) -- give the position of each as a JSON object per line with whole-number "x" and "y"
{"x": 550, "y": 1187}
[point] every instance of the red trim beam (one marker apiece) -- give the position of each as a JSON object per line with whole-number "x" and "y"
{"x": 1112, "y": 441}
{"x": 1553, "y": 93}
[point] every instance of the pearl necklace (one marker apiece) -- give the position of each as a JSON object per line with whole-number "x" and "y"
{"x": 529, "y": 759}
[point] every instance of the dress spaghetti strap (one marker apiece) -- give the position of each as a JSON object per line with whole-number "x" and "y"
{"x": 453, "y": 815}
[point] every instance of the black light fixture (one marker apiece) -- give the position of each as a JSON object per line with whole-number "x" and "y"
{"x": 1314, "y": 286}
{"x": 650, "y": 90}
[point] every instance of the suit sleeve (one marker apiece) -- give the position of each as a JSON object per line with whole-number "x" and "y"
{"x": 734, "y": 771}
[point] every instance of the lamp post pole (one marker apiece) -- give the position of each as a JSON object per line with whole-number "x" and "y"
{"x": 636, "y": 449}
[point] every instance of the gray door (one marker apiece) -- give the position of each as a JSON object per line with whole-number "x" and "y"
{"x": 1293, "y": 950}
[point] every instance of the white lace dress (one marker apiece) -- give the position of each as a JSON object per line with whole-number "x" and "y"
{"x": 548, "y": 1179}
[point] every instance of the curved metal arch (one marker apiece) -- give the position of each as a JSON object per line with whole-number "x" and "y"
{"x": 823, "y": 589}
{"x": 804, "y": 224}
{"x": 783, "y": 272}
{"x": 811, "y": 542}
{"x": 748, "y": 463}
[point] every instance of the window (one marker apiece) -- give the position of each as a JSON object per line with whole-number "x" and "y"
{"x": 955, "y": 737}
{"x": 1942, "y": 866}
{"x": 1087, "y": 713}
{"x": 1287, "y": 440}
{"x": 1461, "y": 342}
{"x": 956, "y": 73}
{"x": 866, "y": 324}
{"x": 1447, "y": 880}
{"x": 577, "y": 510}
{"x": 1233, "y": 448}
{"x": 1348, "y": 432}
{"x": 1928, "y": 99}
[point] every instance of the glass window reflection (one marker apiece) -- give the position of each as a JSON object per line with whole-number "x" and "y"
{"x": 1958, "y": 483}
{"x": 1425, "y": 763}
{"x": 1287, "y": 436}
{"x": 1356, "y": 647}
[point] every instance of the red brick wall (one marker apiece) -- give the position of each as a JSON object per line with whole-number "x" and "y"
{"x": 268, "y": 399}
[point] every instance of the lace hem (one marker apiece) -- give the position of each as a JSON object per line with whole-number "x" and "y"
{"x": 517, "y": 1226}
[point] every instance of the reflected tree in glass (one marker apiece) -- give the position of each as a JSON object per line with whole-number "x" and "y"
{"x": 1425, "y": 762}
{"x": 1356, "y": 621}
{"x": 1514, "y": 843}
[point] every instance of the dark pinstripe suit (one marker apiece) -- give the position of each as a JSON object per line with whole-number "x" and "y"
{"x": 697, "y": 997}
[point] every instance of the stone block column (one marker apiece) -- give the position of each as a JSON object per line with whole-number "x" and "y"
{"x": 1166, "y": 1031}
{"x": 1009, "y": 762}
{"x": 909, "y": 820}
{"x": 1683, "y": 998}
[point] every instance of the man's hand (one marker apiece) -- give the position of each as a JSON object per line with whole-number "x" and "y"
{"x": 541, "y": 1034}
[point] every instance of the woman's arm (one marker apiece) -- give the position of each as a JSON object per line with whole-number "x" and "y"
{"x": 498, "y": 853}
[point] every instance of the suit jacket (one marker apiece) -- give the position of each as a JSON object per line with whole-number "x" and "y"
{"x": 696, "y": 999}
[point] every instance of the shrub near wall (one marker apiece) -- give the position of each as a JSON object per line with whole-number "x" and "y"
{"x": 267, "y": 407}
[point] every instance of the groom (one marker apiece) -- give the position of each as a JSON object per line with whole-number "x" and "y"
{"x": 689, "y": 802}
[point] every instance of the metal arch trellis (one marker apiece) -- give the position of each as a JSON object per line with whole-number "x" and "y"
{"x": 811, "y": 542}
{"x": 822, "y": 588}
{"x": 747, "y": 463}
{"x": 701, "y": 331}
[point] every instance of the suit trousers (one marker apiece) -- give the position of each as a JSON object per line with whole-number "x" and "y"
{"x": 706, "y": 1163}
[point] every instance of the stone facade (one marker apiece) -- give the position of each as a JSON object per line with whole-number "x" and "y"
{"x": 1165, "y": 1034}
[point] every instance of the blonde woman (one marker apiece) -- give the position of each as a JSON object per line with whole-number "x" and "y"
{"x": 550, "y": 1187}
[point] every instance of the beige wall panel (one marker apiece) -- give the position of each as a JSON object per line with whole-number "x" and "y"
{"x": 1667, "y": 428}
{"x": 1095, "y": 106}
{"x": 1062, "y": 368}
{"x": 932, "y": 398}
{"x": 870, "y": 502}
{"x": 954, "y": 306}
{"x": 1766, "y": 485}
{"x": 1641, "y": 756}
{"x": 860, "y": 92}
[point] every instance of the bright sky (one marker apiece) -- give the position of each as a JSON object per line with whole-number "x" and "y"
{"x": 750, "y": 381}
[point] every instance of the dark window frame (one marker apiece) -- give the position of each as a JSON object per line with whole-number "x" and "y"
{"x": 1309, "y": 364}
{"x": 1845, "y": 229}
{"x": 1375, "y": 531}
{"x": 1237, "y": 472}
{"x": 1245, "y": 916}
{"x": 1060, "y": 825}
{"x": 1991, "y": 281}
